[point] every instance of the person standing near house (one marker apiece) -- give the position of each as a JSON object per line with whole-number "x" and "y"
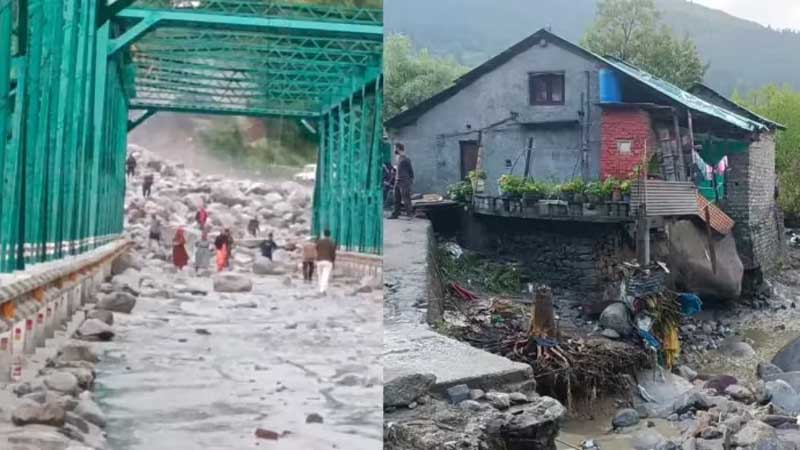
{"x": 404, "y": 179}
{"x": 253, "y": 227}
{"x": 147, "y": 185}
{"x": 326, "y": 257}
{"x": 388, "y": 183}
{"x": 309, "y": 256}
{"x": 130, "y": 166}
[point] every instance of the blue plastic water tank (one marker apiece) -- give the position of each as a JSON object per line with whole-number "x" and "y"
{"x": 610, "y": 91}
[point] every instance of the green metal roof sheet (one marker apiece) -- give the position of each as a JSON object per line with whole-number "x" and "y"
{"x": 679, "y": 95}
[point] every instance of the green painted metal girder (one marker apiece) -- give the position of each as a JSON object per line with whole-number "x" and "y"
{"x": 234, "y": 77}
{"x": 181, "y": 18}
{"x": 132, "y": 124}
{"x": 223, "y": 110}
{"x": 260, "y": 8}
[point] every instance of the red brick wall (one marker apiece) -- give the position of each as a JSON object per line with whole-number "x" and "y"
{"x": 632, "y": 125}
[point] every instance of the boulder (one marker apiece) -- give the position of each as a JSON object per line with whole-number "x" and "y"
{"x": 403, "y": 391}
{"x": 29, "y": 413}
{"x": 101, "y": 314}
{"x": 692, "y": 400}
{"x": 783, "y": 397}
{"x": 765, "y": 369}
{"x": 499, "y": 400}
{"x": 625, "y": 418}
{"x": 63, "y": 382}
{"x": 788, "y": 358}
{"x": 740, "y": 393}
{"x": 735, "y": 348}
{"x": 690, "y": 265}
{"x": 124, "y": 262}
{"x": 273, "y": 198}
{"x": 719, "y": 383}
{"x": 757, "y": 435}
{"x": 458, "y": 393}
{"x": 228, "y": 195}
{"x": 687, "y": 372}
{"x": 95, "y": 330}
{"x": 232, "y": 282}
{"x": 793, "y": 378}
{"x": 263, "y": 266}
{"x": 121, "y": 302}
{"x": 77, "y": 352}
{"x": 89, "y": 411}
{"x": 647, "y": 440}
{"x": 617, "y": 317}
{"x": 536, "y": 423}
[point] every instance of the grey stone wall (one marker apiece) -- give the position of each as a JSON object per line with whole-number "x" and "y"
{"x": 750, "y": 202}
{"x": 433, "y": 141}
{"x": 569, "y": 256}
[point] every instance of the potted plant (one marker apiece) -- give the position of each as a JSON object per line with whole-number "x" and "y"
{"x": 594, "y": 193}
{"x": 478, "y": 180}
{"x": 461, "y": 192}
{"x": 572, "y": 192}
{"x": 533, "y": 191}
{"x": 510, "y": 189}
{"x": 625, "y": 190}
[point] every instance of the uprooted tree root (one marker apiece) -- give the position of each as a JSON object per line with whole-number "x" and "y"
{"x": 575, "y": 369}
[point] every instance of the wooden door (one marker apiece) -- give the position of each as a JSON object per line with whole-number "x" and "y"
{"x": 469, "y": 157}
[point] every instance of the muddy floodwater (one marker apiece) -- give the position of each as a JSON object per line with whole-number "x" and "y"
{"x": 576, "y": 431}
{"x": 204, "y": 371}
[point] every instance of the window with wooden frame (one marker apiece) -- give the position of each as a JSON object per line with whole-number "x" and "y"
{"x": 546, "y": 88}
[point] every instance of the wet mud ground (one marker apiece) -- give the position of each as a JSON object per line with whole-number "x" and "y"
{"x": 205, "y": 371}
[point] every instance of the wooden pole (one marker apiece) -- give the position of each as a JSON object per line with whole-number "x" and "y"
{"x": 709, "y": 236}
{"x": 643, "y": 229}
{"x": 679, "y": 145}
{"x": 528, "y": 157}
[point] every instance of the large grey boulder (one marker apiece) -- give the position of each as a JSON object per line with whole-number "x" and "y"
{"x": 764, "y": 369}
{"x": 29, "y": 413}
{"x": 232, "y": 282}
{"x": 121, "y": 302}
{"x": 89, "y": 411}
{"x": 124, "y": 262}
{"x": 625, "y": 418}
{"x": 63, "y": 382}
{"x": 102, "y": 315}
{"x": 263, "y": 266}
{"x": 690, "y": 265}
{"x": 757, "y": 435}
{"x": 788, "y": 358}
{"x": 95, "y": 330}
{"x": 403, "y": 391}
{"x": 793, "y": 378}
{"x": 783, "y": 397}
{"x": 77, "y": 352}
{"x": 617, "y": 317}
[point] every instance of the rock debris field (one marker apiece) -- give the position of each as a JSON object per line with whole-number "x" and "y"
{"x": 167, "y": 359}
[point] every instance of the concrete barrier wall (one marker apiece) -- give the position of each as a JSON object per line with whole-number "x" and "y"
{"x": 359, "y": 265}
{"x": 46, "y": 298}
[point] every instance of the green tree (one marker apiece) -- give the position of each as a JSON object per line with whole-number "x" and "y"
{"x": 413, "y": 75}
{"x": 632, "y": 30}
{"x": 781, "y": 104}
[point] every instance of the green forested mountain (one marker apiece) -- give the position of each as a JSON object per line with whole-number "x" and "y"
{"x": 743, "y": 55}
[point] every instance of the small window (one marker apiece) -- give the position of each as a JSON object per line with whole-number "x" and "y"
{"x": 546, "y": 88}
{"x": 624, "y": 147}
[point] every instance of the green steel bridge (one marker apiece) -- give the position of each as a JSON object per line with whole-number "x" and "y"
{"x": 77, "y": 75}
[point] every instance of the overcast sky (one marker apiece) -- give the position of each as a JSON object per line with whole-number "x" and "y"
{"x": 776, "y": 13}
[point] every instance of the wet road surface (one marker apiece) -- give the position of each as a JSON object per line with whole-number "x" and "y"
{"x": 204, "y": 371}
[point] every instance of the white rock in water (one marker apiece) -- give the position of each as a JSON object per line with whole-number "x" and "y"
{"x": 258, "y": 189}
{"x": 62, "y": 382}
{"x": 273, "y": 198}
{"x": 89, "y": 411}
{"x": 34, "y": 413}
{"x": 282, "y": 208}
{"x": 94, "y": 329}
{"x": 232, "y": 282}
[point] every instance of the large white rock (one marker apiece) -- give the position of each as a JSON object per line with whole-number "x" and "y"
{"x": 95, "y": 330}
{"x": 232, "y": 282}
{"x": 63, "y": 382}
{"x": 121, "y": 302}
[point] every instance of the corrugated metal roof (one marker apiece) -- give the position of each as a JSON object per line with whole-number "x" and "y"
{"x": 665, "y": 198}
{"x": 688, "y": 100}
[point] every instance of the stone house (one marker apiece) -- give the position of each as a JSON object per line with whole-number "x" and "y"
{"x": 560, "y": 112}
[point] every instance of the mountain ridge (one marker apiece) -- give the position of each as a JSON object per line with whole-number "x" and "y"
{"x": 743, "y": 54}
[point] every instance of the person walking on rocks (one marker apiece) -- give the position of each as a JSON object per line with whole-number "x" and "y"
{"x": 253, "y": 227}
{"x": 268, "y": 246}
{"x": 202, "y": 217}
{"x": 202, "y": 253}
{"x": 179, "y": 255}
{"x": 147, "y": 185}
{"x": 309, "y": 256}
{"x": 326, "y": 257}
{"x": 223, "y": 244}
{"x": 155, "y": 232}
{"x": 404, "y": 179}
{"x": 130, "y": 166}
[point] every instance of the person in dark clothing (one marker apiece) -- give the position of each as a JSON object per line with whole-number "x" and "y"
{"x": 253, "y": 227}
{"x": 268, "y": 246}
{"x": 388, "y": 183}
{"x": 130, "y": 166}
{"x": 404, "y": 179}
{"x": 147, "y": 185}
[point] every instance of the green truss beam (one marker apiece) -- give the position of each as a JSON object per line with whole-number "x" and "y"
{"x": 224, "y": 110}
